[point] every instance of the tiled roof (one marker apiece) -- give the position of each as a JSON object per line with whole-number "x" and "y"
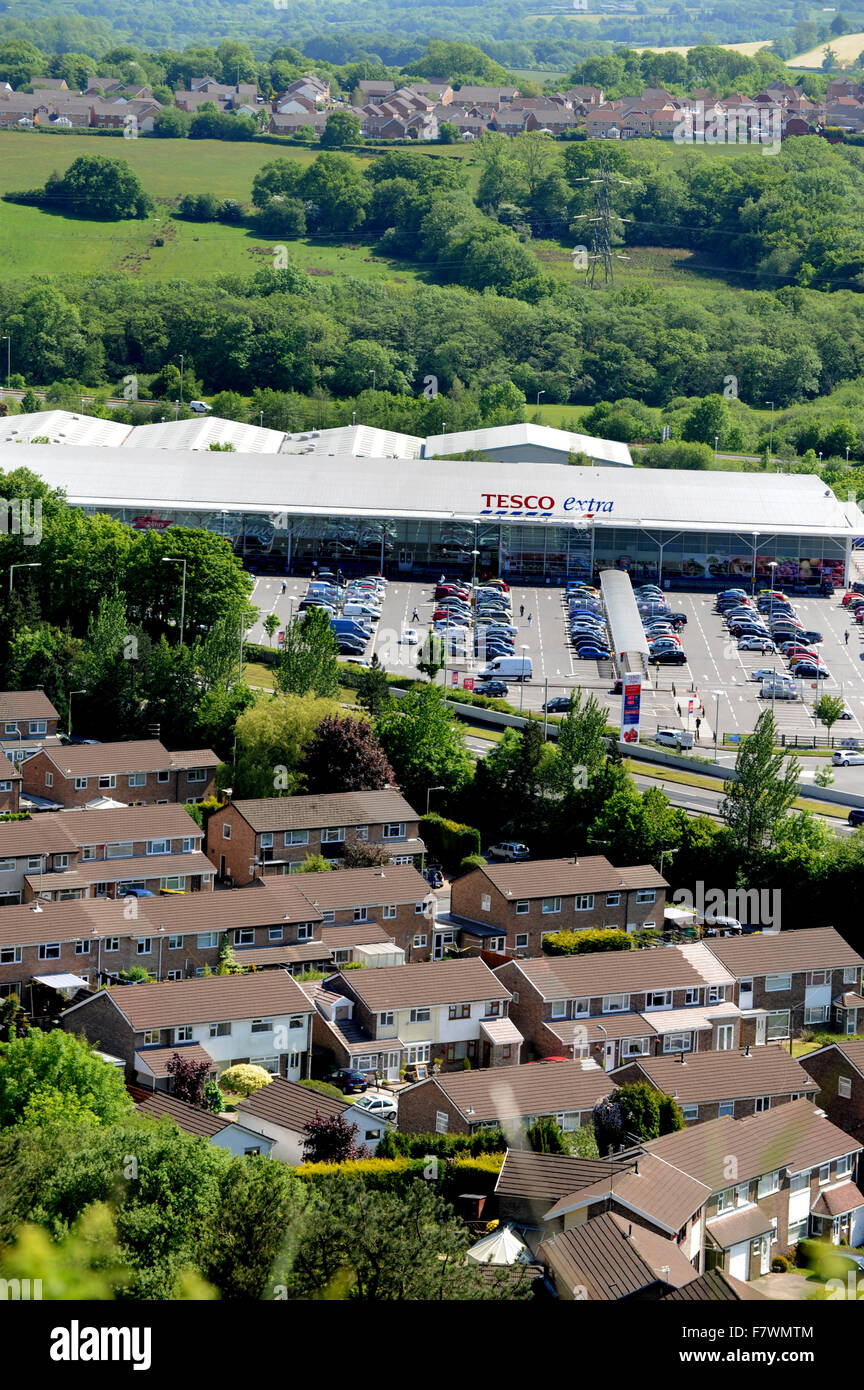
{"x": 648, "y": 1186}
{"x": 710, "y": 1076}
{"x": 339, "y": 808}
{"x": 342, "y": 934}
{"x": 610, "y": 972}
{"x": 117, "y": 870}
{"x": 548, "y": 1177}
{"x": 156, "y": 1059}
{"x": 836, "y": 1201}
{"x": 430, "y": 983}
{"x": 712, "y": 970}
{"x": 542, "y": 878}
{"x": 208, "y": 1000}
{"x": 606, "y": 1028}
{"x": 812, "y": 948}
{"x": 738, "y": 1226}
{"x": 188, "y": 1117}
{"x": 303, "y": 951}
{"x": 289, "y": 1105}
{"x": 607, "y": 1258}
{"x": 25, "y": 704}
{"x": 714, "y": 1287}
{"x": 134, "y": 755}
{"x": 535, "y": 1088}
{"x": 391, "y": 883}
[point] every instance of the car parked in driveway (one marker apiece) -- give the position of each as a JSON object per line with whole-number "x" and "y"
{"x": 510, "y": 851}
{"x": 380, "y": 1106}
{"x": 349, "y": 1082}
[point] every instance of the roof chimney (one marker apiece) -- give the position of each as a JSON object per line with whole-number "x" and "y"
{"x": 636, "y": 1172}
{"x": 681, "y": 1059}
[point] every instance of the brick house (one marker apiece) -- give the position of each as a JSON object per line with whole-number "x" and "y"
{"x": 274, "y": 835}
{"x": 396, "y": 898}
{"x": 790, "y": 980}
{"x": 263, "y": 1019}
{"x": 838, "y": 1071}
{"x": 28, "y": 720}
{"x": 611, "y": 1259}
{"x": 280, "y": 1113}
{"x": 10, "y": 784}
{"x": 528, "y": 901}
{"x": 373, "y": 91}
{"x": 465, "y": 1102}
{"x": 793, "y": 1169}
{"x": 614, "y": 1006}
{"x": 142, "y": 772}
{"x": 708, "y": 1085}
{"x": 61, "y": 855}
{"x": 412, "y": 1015}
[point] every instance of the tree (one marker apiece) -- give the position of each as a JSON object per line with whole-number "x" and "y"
{"x": 345, "y": 756}
{"x": 95, "y": 185}
{"x": 581, "y": 740}
{"x": 424, "y": 743}
{"x": 364, "y": 856}
{"x": 448, "y": 133}
{"x": 828, "y": 710}
{"x": 430, "y": 655}
{"x": 13, "y": 1020}
{"x": 172, "y": 123}
{"x": 67, "y": 1064}
{"x": 307, "y": 661}
{"x": 227, "y": 960}
{"x": 338, "y": 191}
{"x": 315, "y": 864}
{"x": 272, "y": 736}
{"x": 330, "y": 1139}
{"x": 271, "y": 626}
{"x": 709, "y": 419}
{"x": 188, "y": 1078}
{"x": 244, "y": 1078}
{"x": 373, "y": 689}
{"x": 758, "y": 800}
{"x": 341, "y": 128}
{"x": 545, "y": 1136}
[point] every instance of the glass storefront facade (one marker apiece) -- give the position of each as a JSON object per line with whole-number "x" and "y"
{"x": 523, "y": 550}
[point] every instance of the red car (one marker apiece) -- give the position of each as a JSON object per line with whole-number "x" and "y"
{"x": 451, "y": 591}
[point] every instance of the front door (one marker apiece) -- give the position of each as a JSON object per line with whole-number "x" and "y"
{"x": 761, "y": 1031}
{"x": 608, "y": 1056}
{"x": 762, "y": 1247}
{"x": 391, "y": 1065}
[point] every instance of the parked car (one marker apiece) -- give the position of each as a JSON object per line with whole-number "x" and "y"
{"x": 810, "y": 635}
{"x": 349, "y": 1082}
{"x": 558, "y": 705}
{"x": 778, "y": 690}
{"x": 593, "y": 653}
{"x": 856, "y": 816}
{"x": 509, "y": 850}
{"x": 756, "y": 644}
{"x": 675, "y": 657}
{"x": 497, "y": 689}
{"x": 434, "y": 876}
{"x": 765, "y": 673}
{"x": 673, "y": 738}
{"x": 138, "y": 893}
{"x": 410, "y": 636}
{"x": 808, "y": 670}
{"x": 380, "y": 1106}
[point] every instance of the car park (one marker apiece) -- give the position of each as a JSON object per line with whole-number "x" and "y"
{"x": 811, "y": 635}
{"x": 410, "y": 637}
{"x": 509, "y": 850}
{"x": 676, "y": 657}
{"x": 766, "y": 673}
{"x": 778, "y": 690}
{"x": 847, "y": 759}
{"x": 810, "y": 670}
{"x": 496, "y": 689}
{"x": 594, "y": 653}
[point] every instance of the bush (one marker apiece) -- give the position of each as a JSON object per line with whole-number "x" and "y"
{"x": 472, "y": 861}
{"x": 446, "y": 840}
{"x": 244, "y": 1079}
{"x": 395, "y": 1144}
{"x": 780, "y": 1264}
{"x": 322, "y": 1087}
{"x": 574, "y": 943}
{"x": 452, "y": 1176}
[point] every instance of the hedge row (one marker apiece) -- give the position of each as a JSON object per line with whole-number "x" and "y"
{"x": 573, "y": 943}
{"x": 395, "y": 1144}
{"x": 451, "y": 1175}
{"x": 447, "y": 841}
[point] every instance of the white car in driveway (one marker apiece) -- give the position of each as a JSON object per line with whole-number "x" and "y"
{"x": 509, "y": 850}
{"x": 380, "y": 1106}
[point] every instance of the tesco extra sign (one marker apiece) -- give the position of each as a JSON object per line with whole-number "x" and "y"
{"x": 515, "y": 503}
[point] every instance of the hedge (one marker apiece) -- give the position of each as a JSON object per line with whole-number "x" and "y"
{"x": 573, "y": 943}
{"x": 453, "y": 1175}
{"x": 485, "y": 1141}
{"x": 447, "y": 840}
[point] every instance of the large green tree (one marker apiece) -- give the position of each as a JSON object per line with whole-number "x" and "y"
{"x": 307, "y": 660}
{"x": 62, "y": 1063}
{"x": 765, "y": 787}
{"x": 424, "y": 743}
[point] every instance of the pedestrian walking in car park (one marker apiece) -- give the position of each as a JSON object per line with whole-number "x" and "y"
{"x": 530, "y": 617}
{"x": 846, "y": 638}
{"x": 521, "y": 610}
{"x": 415, "y": 616}
{"x": 698, "y": 723}
{"x": 284, "y": 586}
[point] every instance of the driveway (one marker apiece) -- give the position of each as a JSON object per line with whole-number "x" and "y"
{"x": 792, "y": 1287}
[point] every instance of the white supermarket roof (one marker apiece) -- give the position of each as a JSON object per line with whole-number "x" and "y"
{"x": 200, "y": 433}
{"x": 61, "y": 427}
{"x": 528, "y": 436}
{"x": 747, "y": 504}
{"x": 360, "y": 441}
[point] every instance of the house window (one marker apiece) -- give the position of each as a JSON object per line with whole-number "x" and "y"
{"x": 261, "y": 1025}
{"x": 585, "y": 902}
{"x": 341, "y": 956}
{"x": 726, "y": 1107}
{"x": 843, "y": 1166}
{"x": 677, "y": 1042}
{"x": 80, "y": 784}
{"x": 726, "y": 1200}
{"x": 459, "y": 1011}
{"x": 634, "y": 1047}
{"x": 616, "y": 1003}
{"x": 144, "y": 945}
{"x": 797, "y": 1232}
{"x": 613, "y": 899}
{"x": 49, "y": 950}
{"x": 551, "y": 905}
{"x": 175, "y": 943}
{"x": 816, "y": 1015}
{"x": 716, "y": 994}
{"x": 151, "y": 1037}
{"x": 220, "y": 1030}
{"x": 196, "y": 774}
{"x": 850, "y": 975}
{"x": 486, "y": 902}
{"x": 419, "y": 909}
{"x": 691, "y": 996}
{"x": 420, "y": 940}
{"x": 88, "y": 852}
{"x": 120, "y": 850}
{"x": 11, "y": 730}
{"x": 844, "y": 1087}
{"x": 558, "y": 1008}
{"x": 442, "y": 1121}
{"x": 420, "y": 1016}
{"x": 137, "y": 779}
{"x": 226, "y": 831}
{"x": 270, "y": 1064}
{"x": 188, "y": 845}
{"x": 768, "y": 1183}
{"x": 523, "y": 906}
{"x": 7, "y": 866}
{"x": 646, "y": 895}
{"x": 659, "y": 999}
{"x": 799, "y": 1181}
{"x": 761, "y": 1103}
{"x": 61, "y": 861}
{"x": 418, "y": 1053}
{"x": 107, "y": 782}
{"x": 819, "y": 977}
{"x": 174, "y": 975}
{"x": 158, "y": 846}
{"x": 775, "y": 984}
{"x": 361, "y": 832}
{"x": 389, "y": 911}
{"x": 333, "y": 835}
{"x": 304, "y": 931}
{"x": 112, "y": 943}
{"x": 11, "y": 955}
{"x": 386, "y": 1019}
{"x": 492, "y": 1010}
{"x": 778, "y": 1025}
{"x": 295, "y": 837}
{"x": 34, "y": 863}
{"x": 361, "y": 914}
{"x": 395, "y": 831}
{"x": 274, "y": 933}
{"x": 690, "y": 1112}
{"x": 183, "y": 1033}
{"x": 175, "y": 881}
{"x": 521, "y": 940}
{"x": 49, "y": 779}
{"x": 824, "y": 1174}
{"x": 207, "y": 939}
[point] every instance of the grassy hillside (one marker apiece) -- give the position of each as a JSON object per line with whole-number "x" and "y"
{"x": 846, "y": 48}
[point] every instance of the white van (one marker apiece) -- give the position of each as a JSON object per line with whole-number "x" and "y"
{"x": 508, "y": 668}
{"x": 361, "y": 610}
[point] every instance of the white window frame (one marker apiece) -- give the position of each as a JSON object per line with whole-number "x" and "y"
{"x": 844, "y": 1087}
{"x": 420, "y": 1015}
{"x": 778, "y": 984}
{"x": 610, "y": 1006}
{"x": 678, "y": 1042}
{"x": 523, "y": 906}
{"x": 550, "y": 907}
{"x": 583, "y": 902}
{"x": 613, "y": 899}
{"x": 389, "y": 911}
{"x": 137, "y": 779}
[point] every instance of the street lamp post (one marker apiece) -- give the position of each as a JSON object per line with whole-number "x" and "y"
{"x": 429, "y": 791}
{"x": 176, "y": 410}
{"x": 716, "y": 442}
{"x": 539, "y": 394}
{"x": 771, "y": 433}
{"x": 717, "y": 694}
{"x": 7, "y": 339}
{"x": 475, "y": 553}
{"x": 181, "y": 378}
{"x": 523, "y": 649}
{"x": 178, "y": 560}
{"x": 33, "y": 565}
{"x": 71, "y": 693}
